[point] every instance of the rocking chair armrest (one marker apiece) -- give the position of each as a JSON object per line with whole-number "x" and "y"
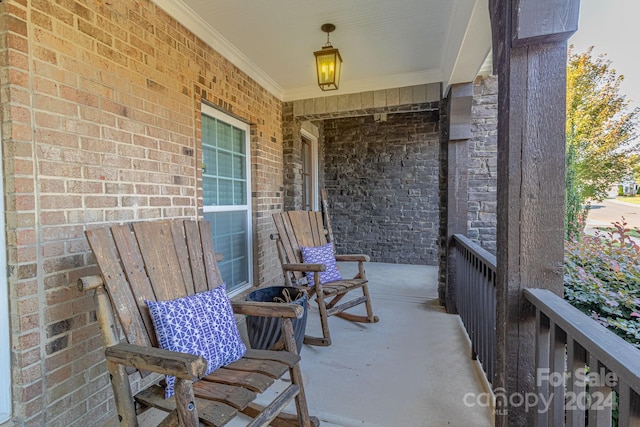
{"x": 267, "y": 309}
{"x": 353, "y": 257}
{"x": 304, "y": 267}
{"x": 158, "y": 360}
{"x": 87, "y": 283}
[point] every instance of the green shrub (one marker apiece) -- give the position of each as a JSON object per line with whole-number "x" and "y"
{"x": 602, "y": 279}
{"x": 620, "y": 190}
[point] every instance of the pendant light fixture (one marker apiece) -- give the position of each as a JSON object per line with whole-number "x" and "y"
{"x": 328, "y": 62}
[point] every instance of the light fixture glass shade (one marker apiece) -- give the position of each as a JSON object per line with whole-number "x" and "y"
{"x": 328, "y": 64}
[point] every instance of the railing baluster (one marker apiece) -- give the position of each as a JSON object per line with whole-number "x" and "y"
{"x": 576, "y": 389}
{"x": 600, "y": 404}
{"x": 491, "y": 363}
{"x": 628, "y": 406}
{"x": 557, "y": 358}
{"x": 543, "y": 346}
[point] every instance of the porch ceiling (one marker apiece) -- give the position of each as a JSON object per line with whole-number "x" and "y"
{"x": 384, "y": 43}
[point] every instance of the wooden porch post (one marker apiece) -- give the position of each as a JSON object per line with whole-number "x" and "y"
{"x": 460, "y": 102}
{"x": 529, "y": 45}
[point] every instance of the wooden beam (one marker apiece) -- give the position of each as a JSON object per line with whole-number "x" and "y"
{"x": 443, "y": 199}
{"x": 544, "y": 21}
{"x": 461, "y": 100}
{"x": 460, "y": 115}
{"x": 531, "y": 177}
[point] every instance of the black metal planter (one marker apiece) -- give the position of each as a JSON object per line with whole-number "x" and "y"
{"x": 264, "y": 332}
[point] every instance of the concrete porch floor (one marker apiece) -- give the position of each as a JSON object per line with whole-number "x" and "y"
{"x": 411, "y": 369}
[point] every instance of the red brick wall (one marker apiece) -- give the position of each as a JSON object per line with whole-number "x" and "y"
{"x": 100, "y": 123}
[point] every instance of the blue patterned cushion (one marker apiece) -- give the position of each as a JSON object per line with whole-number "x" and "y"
{"x": 228, "y": 337}
{"x": 202, "y": 324}
{"x": 321, "y": 255}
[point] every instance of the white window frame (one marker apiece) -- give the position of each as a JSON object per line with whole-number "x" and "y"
{"x": 315, "y": 192}
{"x": 230, "y": 120}
{"x": 5, "y": 355}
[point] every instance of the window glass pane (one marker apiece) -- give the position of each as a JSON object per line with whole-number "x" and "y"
{"x": 209, "y": 191}
{"x": 209, "y": 162}
{"x": 238, "y": 223}
{"x": 307, "y": 174}
{"x": 306, "y": 156}
{"x": 225, "y": 165}
{"x": 208, "y": 130}
{"x": 239, "y": 189}
{"x": 238, "y": 167}
{"x": 240, "y": 273}
{"x": 227, "y": 274}
{"x": 238, "y": 141}
{"x": 225, "y": 192}
{"x": 224, "y": 136}
{"x": 222, "y": 243}
{"x": 238, "y": 244}
{"x": 222, "y": 223}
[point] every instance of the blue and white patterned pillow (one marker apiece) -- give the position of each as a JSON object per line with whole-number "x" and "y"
{"x": 226, "y": 330}
{"x": 321, "y": 255}
{"x": 202, "y": 324}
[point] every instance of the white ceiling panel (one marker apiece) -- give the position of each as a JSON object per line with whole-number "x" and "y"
{"x": 383, "y": 43}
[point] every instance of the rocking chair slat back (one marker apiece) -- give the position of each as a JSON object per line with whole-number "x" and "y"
{"x": 165, "y": 260}
{"x": 196, "y": 256}
{"x": 308, "y": 228}
{"x": 158, "y": 250}
{"x": 107, "y": 255}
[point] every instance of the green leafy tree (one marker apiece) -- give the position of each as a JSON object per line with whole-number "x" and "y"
{"x": 600, "y": 126}
{"x": 635, "y": 167}
{"x": 573, "y": 224}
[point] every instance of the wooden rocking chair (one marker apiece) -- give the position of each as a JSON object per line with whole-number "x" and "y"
{"x": 304, "y": 228}
{"x": 164, "y": 260}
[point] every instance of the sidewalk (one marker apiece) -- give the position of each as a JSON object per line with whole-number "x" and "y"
{"x": 605, "y": 213}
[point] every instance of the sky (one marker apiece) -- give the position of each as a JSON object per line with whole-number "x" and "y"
{"x": 612, "y": 27}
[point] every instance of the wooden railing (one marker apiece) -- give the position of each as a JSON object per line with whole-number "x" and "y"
{"x": 585, "y": 374}
{"x": 584, "y": 371}
{"x": 475, "y": 288}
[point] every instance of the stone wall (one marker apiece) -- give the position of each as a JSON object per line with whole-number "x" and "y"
{"x": 483, "y": 161}
{"x": 382, "y": 183}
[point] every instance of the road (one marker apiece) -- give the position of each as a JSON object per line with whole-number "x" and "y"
{"x": 610, "y": 210}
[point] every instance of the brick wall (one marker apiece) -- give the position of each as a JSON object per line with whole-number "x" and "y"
{"x": 100, "y": 118}
{"x": 483, "y": 162}
{"x": 382, "y": 184}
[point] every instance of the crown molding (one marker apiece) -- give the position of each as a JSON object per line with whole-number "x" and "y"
{"x": 198, "y": 26}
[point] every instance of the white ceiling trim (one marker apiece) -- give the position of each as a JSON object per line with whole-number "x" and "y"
{"x": 475, "y": 46}
{"x": 461, "y": 18}
{"x": 366, "y": 85}
{"x": 187, "y": 17}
